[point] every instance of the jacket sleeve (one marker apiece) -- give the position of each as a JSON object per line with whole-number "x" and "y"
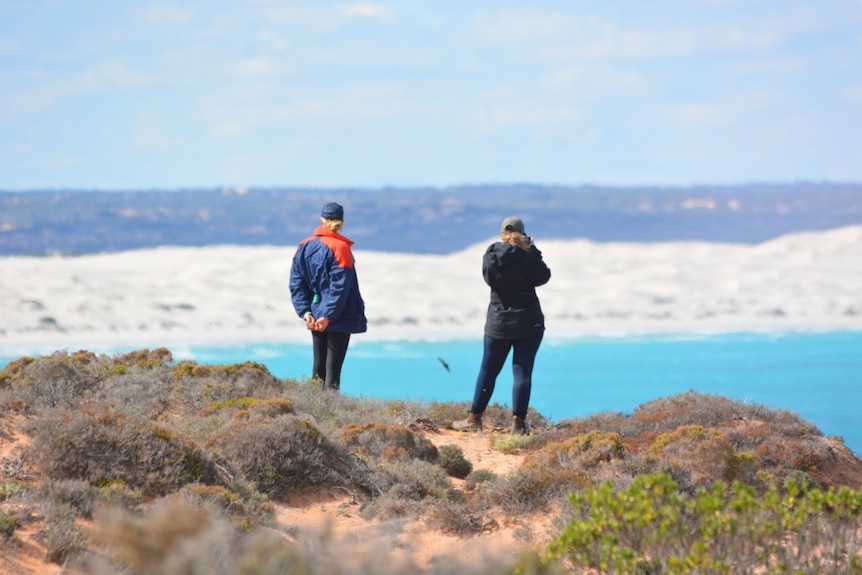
{"x": 300, "y": 289}
{"x": 538, "y": 272}
{"x": 341, "y": 280}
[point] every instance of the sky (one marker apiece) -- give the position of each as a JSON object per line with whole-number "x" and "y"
{"x": 101, "y": 94}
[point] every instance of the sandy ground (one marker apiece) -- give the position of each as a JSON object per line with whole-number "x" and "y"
{"x": 337, "y": 515}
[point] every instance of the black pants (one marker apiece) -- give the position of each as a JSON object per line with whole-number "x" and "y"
{"x": 330, "y": 349}
{"x": 496, "y": 352}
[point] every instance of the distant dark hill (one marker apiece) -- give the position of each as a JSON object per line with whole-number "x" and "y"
{"x": 420, "y": 220}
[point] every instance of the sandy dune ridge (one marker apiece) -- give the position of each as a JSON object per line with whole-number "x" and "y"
{"x": 228, "y": 293}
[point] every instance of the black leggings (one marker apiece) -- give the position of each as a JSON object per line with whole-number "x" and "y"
{"x": 496, "y": 352}
{"x": 330, "y": 349}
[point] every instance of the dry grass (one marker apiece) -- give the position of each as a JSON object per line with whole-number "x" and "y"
{"x": 156, "y": 453}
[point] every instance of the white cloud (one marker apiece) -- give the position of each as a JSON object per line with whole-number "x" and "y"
{"x": 770, "y": 65}
{"x": 532, "y": 116}
{"x": 168, "y": 14}
{"x": 370, "y": 10}
{"x": 699, "y": 114}
{"x": 228, "y": 129}
{"x": 564, "y": 36}
{"x": 567, "y": 35}
{"x": 7, "y": 46}
{"x": 595, "y": 81}
{"x": 853, "y": 93}
{"x": 40, "y": 91}
{"x": 526, "y": 26}
{"x": 739, "y": 39}
{"x": 257, "y": 67}
{"x": 112, "y": 74}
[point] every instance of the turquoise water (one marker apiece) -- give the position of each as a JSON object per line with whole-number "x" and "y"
{"x": 817, "y": 375}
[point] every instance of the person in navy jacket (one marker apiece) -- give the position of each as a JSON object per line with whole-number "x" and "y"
{"x": 324, "y": 290}
{"x": 513, "y": 268}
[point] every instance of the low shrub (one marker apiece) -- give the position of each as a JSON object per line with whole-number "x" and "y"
{"x": 63, "y": 538}
{"x": 726, "y": 528}
{"x": 554, "y": 470}
{"x": 14, "y": 370}
{"x": 58, "y": 380}
{"x": 456, "y": 518}
{"x": 101, "y": 447}
{"x": 8, "y": 524}
{"x": 287, "y": 453}
{"x": 451, "y": 458}
{"x": 371, "y": 440}
{"x": 246, "y": 507}
{"x": 509, "y": 442}
{"x": 477, "y": 477}
{"x": 406, "y": 486}
{"x": 76, "y": 495}
{"x": 707, "y": 452}
{"x": 143, "y": 358}
{"x": 11, "y": 487}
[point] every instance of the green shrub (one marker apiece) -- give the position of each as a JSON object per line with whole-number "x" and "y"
{"x": 58, "y": 380}
{"x": 707, "y": 452}
{"x": 143, "y": 358}
{"x": 509, "y": 442}
{"x": 555, "y": 470}
{"x": 387, "y": 441}
{"x": 415, "y": 480}
{"x": 456, "y": 518}
{"x": 76, "y": 495}
{"x": 101, "y": 447}
{"x": 117, "y": 493}
{"x": 653, "y": 527}
{"x": 287, "y": 453}
{"x": 10, "y": 488}
{"x": 478, "y": 477}
{"x": 7, "y": 526}
{"x": 451, "y": 458}
{"x": 14, "y": 370}
{"x": 63, "y": 537}
{"x": 246, "y": 507}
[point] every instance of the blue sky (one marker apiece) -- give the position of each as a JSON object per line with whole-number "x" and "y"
{"x": 128, "y": 95}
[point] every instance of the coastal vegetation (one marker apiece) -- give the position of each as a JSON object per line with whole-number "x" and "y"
{"x": 139, "y": 464}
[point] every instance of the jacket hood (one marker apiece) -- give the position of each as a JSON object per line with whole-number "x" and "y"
{"x": 324, "y": 231}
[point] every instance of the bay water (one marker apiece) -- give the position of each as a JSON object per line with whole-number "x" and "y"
{"x": 815, "y": 374}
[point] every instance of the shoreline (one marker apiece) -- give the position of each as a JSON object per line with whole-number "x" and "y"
{"x": 38, "y": 344}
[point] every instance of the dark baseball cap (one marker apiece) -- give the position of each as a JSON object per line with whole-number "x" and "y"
{"x": 332, "y": 211}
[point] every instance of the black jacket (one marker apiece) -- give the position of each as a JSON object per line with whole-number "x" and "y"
{"x": 513, "y": 274}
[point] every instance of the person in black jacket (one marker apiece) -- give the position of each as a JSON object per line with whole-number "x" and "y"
{"x": 513, "y": 268}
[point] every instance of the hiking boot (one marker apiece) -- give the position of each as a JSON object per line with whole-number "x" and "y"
{"x": 519, "y": 426}
{"x": 472, "y": 423}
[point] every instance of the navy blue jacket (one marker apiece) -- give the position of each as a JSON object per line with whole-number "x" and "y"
{"x": 513, "y": 274}
{"x": 323, "y": 281}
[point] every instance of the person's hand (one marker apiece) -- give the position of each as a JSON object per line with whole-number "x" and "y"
{"x": 309, "y": 321}
{"x": 522, "y": 241}
{"x": 321, "y": 324}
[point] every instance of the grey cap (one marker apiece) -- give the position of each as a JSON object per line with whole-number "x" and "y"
{"x": 512, "y": 224}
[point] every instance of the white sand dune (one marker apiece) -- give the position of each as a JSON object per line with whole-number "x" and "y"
{"x": 226, "y": 293}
